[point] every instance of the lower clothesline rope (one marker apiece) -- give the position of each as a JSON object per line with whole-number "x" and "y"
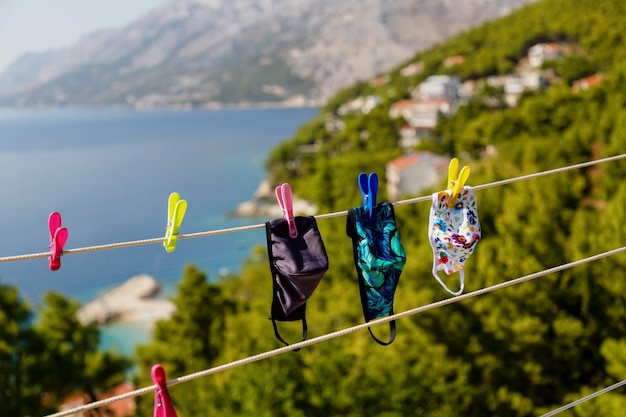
{"x": 340, "y": 333}
{"x": 319, "y": 216}
{"x": 586, "y": 398}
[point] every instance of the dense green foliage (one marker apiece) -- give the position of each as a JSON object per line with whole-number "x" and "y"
{"x": 520, "y": 351}
{"x": 44, "y": 361}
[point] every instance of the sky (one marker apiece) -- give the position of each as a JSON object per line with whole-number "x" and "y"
{"x": 39, "y": 25}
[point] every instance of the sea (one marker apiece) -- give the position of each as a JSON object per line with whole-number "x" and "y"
{"x": 109, "y": 173}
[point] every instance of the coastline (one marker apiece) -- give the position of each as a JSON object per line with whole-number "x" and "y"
{"x": 182, "y": 107}
{"x": 264, "y": 204}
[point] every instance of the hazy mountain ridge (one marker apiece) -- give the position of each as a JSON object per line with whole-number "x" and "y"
{"x": 193, "y": 53}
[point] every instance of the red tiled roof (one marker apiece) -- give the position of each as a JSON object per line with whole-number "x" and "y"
{"x": 553, "y": 46}
{"x": 122, "y": 408}
{"x": 403, "y": 162}
{"x": 402, "y": 104}
{"x": 454, "y": 60}
{"x": 378, "y": 81}
{"x": 433, "y": 100}
{"x": 586, "y": 82}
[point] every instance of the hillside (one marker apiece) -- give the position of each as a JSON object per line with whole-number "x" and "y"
{"x": 194, "y": 53}
{"x": 522, "y": 351}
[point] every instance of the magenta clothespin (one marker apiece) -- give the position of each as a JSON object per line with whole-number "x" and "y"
{"x": 284, "y": 196}
{"x": 58, "y": 237}
{"x": 163, "y": 406}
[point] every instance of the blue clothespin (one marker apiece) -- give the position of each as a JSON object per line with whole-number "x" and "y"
{"x": 369, "y": 189}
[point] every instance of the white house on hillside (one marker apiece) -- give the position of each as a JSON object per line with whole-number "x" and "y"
{"x": 412, "y": 69}
{"x": 425, "y": 113}
{"x": 542, "y": 52}
{"x": 439, "y": 86}
{"x": 362, "y": 105}
{"x": 516, "y": 84}
{"x": 421, "y": 113}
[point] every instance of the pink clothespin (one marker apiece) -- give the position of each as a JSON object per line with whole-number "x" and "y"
{"x": 163, "y": 406}
{"x": 58, "y": 237}
{"x": 285, "y": 201}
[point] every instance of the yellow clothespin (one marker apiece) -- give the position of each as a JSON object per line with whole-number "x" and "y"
{"x": 455, "y": 184}
{"x": 176, "y": 209}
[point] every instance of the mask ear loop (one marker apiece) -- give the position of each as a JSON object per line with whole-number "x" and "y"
{"x": 305, "y": 332}
{"x": 436, "y": 275}
{"x": 392, "y": 333}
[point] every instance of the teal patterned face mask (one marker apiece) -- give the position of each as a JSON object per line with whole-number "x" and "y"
{"x": 379, "y": 259}
{"x": 453, "y": 232}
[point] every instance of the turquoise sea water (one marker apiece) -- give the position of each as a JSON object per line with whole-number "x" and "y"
{"x": 109, "y": 174}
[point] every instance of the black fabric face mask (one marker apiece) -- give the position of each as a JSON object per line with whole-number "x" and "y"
{"x": 297, "y": 265}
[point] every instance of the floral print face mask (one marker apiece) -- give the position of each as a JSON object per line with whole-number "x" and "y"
{"x": 453, "y": 233}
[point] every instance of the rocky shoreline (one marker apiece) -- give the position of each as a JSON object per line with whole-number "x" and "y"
{"x": 135, "y": 301}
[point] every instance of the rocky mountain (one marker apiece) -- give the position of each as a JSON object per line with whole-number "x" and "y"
{"x": 203, "y": 53}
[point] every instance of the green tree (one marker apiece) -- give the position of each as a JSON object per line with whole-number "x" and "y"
{"x": 20, "y": 389}
{"x": 42, "y": 362}
{"x": 68, "y": 352}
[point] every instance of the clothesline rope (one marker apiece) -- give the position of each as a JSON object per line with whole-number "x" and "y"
{"x": 340, "y": 333}
{"x": 319, "y": 216}
{"x": 582, "y": 400}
